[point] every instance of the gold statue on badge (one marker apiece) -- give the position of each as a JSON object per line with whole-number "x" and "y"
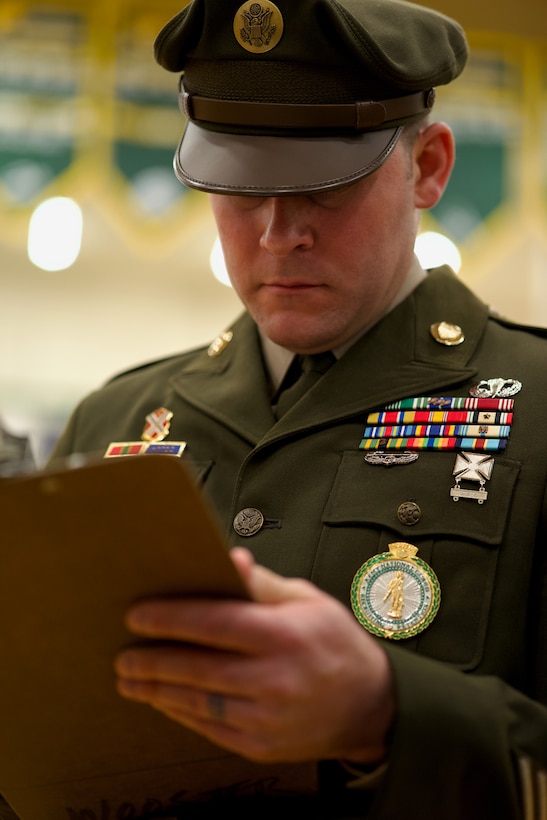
{"x": 395, "y": 594}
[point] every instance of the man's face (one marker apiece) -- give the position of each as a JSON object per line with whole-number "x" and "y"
{"x": 315, "y": 270}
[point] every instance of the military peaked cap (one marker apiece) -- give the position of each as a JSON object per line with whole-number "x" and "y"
{"x": 301, "y": 95}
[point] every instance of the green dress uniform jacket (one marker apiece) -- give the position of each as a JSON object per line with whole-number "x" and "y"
{"x": 470, "y": 740}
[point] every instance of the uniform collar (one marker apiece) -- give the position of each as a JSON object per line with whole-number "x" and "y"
{"x": 278, "y": 359}
{"x": 398, "y": 357}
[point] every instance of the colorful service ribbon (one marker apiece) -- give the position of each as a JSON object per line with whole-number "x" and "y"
{"x": 439, "y": 417}
{"x": 141, "y": 448}
{"x": 453, "y": 402}
{"x": 428, "y": 430}
{"x": 430, "y": 423}
{"x": 434, "y": 443}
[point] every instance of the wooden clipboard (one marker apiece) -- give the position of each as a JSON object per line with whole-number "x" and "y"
{"x": 77, "y": 546}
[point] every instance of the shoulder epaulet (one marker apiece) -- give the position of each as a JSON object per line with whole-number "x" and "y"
{"x": 537, "y": 330}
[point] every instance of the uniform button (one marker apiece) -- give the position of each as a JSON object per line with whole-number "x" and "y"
{"x": 409, "y": 513}
{"x": 248, "y": 521}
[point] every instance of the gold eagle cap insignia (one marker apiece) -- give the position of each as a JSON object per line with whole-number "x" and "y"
{"x": 258, "y": 28}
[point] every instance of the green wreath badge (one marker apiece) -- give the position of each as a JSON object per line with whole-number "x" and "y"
{"x": 395, "y": 594}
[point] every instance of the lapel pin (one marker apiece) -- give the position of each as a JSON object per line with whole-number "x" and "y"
{"x": 157, "y": 425}
{"x": 155, "y": 430}
{"x": 219, "y": 344}
{"x": 447, "y": 334}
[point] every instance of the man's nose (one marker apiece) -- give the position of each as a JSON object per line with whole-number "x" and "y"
{"x": 286, "y": 225}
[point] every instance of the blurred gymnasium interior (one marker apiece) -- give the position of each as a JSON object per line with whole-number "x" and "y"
{"x": 105, "y": 257}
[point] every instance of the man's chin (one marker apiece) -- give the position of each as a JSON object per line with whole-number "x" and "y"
{"x": 300, "y": 336}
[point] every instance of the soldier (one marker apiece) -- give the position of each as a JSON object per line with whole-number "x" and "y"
{"x": 420, "y": 447}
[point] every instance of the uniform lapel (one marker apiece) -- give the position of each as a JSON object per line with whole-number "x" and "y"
{"x": 231, "y": 386}
{"x": 399, "y": 357}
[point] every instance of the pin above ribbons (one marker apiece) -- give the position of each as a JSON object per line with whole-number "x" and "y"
{"x": 155, "y": 430}
{"x": 157, "y": 425}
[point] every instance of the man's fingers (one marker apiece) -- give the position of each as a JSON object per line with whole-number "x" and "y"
{"x": 266, "y": 586}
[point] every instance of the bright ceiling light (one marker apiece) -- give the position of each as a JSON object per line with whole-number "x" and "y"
{"x": 432, "y": 249}
{"x": 218, "y": 265}
{"x": 435, "y": 249}
{"x": 55, "y": 234}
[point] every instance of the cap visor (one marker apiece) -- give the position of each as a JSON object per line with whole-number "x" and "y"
{"x": 239, "y": 164}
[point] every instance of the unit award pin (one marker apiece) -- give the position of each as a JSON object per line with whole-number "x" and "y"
{"x": 394, "y": 594}
{"x": 155, "y": 430}
{"x": 157, "y": 425}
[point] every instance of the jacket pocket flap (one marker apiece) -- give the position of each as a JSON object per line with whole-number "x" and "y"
{"x": 380, "y": 495}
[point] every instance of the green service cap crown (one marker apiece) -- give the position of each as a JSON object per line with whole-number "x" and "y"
{"x": 304, "y": 76}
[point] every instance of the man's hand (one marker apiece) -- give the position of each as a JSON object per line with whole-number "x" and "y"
{"x": 289, "y": 676}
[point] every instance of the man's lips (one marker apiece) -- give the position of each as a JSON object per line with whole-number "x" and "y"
{"x": 291, "y": 286}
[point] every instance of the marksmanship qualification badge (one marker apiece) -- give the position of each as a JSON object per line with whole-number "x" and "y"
{"x": 394, "y": 594}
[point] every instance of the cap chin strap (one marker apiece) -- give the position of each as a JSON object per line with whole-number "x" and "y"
{"x": 358, "y": 116}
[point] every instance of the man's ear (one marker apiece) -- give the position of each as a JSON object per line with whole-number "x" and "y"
{"x": 434, "y": 153}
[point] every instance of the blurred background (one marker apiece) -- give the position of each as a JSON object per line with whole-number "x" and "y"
{"x": 105, "y": 257}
